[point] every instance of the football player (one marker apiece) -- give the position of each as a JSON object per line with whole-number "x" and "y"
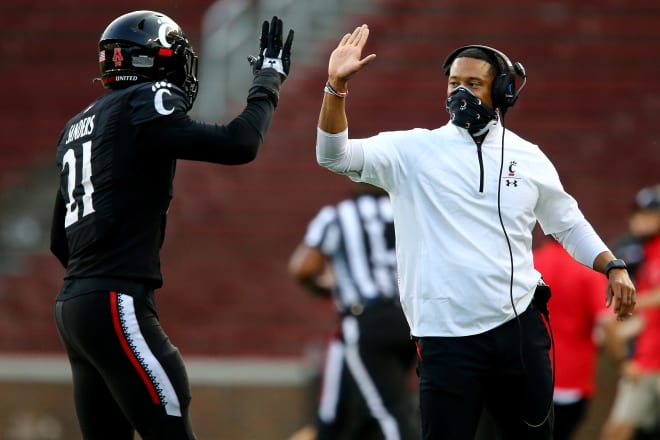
{"x": 117, "y": 161}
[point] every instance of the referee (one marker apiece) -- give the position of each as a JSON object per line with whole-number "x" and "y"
{"x": 348, "y": 253}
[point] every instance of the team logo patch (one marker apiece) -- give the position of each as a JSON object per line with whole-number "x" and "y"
{"x": 512, "y": 166}
{"x": 511, "y": 178}
{"x": 162, "y": 89}
{"x": 117, "y": 57}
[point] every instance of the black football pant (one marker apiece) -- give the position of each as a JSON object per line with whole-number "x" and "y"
{"x": 127, "y": 375}
{"x": 507, "y": 369}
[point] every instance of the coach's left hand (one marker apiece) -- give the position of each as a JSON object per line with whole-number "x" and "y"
{"x": 621, "y": 289}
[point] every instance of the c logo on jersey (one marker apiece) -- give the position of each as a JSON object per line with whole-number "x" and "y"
{"x": 512, "y": 166}
{"x": 162, "y": 88}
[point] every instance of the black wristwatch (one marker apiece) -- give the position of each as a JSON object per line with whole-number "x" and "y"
{"x": 615, "y": 264}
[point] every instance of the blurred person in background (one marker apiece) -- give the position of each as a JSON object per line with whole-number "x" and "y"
{"x": 348, "y": 253}
{"x": 642, "y": 226}
{"x": 635, "y": 412}
{"x": 577, "y": 315}
{"x": 117, "y": 161}
{"x": 466, "y": 197}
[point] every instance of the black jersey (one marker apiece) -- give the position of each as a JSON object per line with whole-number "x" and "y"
{"x": 117, "y": 162}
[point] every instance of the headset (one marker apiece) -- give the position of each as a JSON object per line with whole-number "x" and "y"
{"x": 504, "y": 93}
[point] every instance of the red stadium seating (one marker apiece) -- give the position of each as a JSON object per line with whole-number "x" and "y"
{"x": 590, "y": 104}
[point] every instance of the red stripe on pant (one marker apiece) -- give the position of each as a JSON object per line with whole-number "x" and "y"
{"x": 127, "y": 349}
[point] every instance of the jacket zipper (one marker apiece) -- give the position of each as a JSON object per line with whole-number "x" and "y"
{"x": 481, "y": 166}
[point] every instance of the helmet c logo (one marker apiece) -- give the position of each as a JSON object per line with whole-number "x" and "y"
{"x": 162, "y": 34}
{"x": 158, "y": 102}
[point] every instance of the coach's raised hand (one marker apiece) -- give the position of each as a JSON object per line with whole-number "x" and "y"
{"x": 346, "y": 59}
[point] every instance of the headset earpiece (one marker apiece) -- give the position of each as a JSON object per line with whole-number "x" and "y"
{"x": 503, "y": 93}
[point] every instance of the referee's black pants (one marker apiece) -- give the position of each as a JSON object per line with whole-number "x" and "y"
{"x": 508, "y": 369}
{"x": 374, "y": 399}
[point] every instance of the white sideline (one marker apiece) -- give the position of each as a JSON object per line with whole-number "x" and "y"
{"x": 201, "y": 370}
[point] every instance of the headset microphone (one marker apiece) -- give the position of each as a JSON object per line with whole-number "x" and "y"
{"x": 521, "y": 72}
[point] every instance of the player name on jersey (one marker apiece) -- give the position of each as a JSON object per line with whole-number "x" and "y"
{"x": 84, "y": 127}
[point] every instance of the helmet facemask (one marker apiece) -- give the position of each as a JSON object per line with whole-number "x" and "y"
{"x": 184, "y": 72}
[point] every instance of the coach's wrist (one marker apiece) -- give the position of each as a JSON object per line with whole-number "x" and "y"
{"x": 338, "y": 84}
{"x": 616, "y": 264}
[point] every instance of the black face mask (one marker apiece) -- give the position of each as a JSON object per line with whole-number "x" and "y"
{"x": 467, "y": 111}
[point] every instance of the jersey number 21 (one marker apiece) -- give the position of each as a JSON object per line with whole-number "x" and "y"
{"x": 73, "y": 213}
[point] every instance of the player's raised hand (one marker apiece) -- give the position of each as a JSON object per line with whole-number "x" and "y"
{"x": 273, "y": 52}
{"x": 346, "y": 59}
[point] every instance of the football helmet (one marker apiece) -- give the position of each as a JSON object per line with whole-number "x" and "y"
{"x": 143, "y": 46}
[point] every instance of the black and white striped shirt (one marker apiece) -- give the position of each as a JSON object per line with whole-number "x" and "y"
{"x": 357, "y": 236}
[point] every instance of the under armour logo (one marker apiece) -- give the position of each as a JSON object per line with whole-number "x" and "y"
{"x": 510, "y": 182}
{"x": 272, "y": 63}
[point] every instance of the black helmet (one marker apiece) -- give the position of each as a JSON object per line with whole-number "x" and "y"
{"x": 144, "y": 46}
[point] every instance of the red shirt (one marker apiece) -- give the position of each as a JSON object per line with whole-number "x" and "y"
{"x": 647, "y": 347}
{"x": 578, "y": 298}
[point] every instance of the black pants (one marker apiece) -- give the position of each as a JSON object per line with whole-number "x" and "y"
{"x": 127, "y": 375}
{"x": 371, "y": 395}
{"x": 507, "y": 369}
